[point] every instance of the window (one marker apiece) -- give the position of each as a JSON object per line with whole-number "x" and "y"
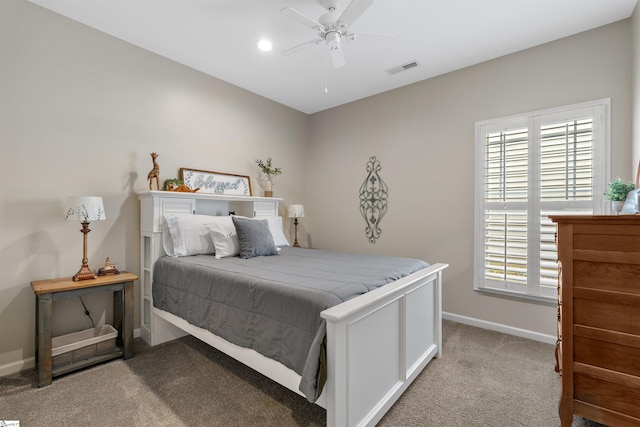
{"x": 528, "y": 167}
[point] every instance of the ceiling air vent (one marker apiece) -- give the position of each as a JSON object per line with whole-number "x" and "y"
{"x": 403, "y": 67}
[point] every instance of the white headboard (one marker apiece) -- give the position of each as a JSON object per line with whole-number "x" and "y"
{"x": 154, "y": 205}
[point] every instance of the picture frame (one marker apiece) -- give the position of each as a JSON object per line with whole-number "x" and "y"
{"x": 216, "y": 182}
{"x": 632, "y": 203}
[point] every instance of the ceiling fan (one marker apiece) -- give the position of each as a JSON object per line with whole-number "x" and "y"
{"x": 332, "y": 27}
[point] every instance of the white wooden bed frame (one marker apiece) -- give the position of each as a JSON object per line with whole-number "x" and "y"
{"x": 377, "y": 343}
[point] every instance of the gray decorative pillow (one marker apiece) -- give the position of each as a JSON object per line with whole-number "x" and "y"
{"x": 254, "y": 237}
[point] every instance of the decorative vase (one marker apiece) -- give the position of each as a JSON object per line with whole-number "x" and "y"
{"x": 616, "y": 206}
{"x": 268, "y": 187}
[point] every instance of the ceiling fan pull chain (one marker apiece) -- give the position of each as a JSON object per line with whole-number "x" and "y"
{"x": 326, "y": 72}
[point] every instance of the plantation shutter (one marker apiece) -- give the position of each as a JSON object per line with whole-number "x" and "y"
{"x": 528, "y": 168}
{"x": 505, "y": 219}
{"x": 566, "y": 183}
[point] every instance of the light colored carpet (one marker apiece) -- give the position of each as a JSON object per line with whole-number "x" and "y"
{"x": 484, "y": 379}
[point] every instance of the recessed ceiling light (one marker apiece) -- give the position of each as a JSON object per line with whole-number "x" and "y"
{"x": 265, "y": 45}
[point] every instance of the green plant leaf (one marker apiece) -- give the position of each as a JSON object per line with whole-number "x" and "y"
{"x": 618, "y": 190}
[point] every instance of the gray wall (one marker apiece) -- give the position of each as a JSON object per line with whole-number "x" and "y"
{"x": 80, "y": 113}
{"x": 423, "y": 135}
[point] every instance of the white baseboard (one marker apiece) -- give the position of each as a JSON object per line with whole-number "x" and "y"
{"x": 510, "y": 330}
{"x": 20, "y": 365}
{"x": 30, "y": 362}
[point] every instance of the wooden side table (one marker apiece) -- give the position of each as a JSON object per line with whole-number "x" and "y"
{"x": 50, "y": 290}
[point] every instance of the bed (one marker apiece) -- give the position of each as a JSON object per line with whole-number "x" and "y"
{"x": 375, "y": 343}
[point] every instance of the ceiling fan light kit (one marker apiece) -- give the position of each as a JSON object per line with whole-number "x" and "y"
{"x": 333, "y": 40}
{"x": 332, "y": 27}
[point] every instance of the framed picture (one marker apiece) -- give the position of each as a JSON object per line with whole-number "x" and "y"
{"x": 216, "y": 182}
{"x": 632, "y": 203}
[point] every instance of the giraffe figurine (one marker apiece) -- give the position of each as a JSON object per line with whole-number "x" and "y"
{"x": 155, "y": 172}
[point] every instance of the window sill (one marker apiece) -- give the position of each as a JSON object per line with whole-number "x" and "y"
{"x": 549, "y": 301}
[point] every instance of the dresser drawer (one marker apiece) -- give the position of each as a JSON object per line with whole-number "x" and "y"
{"x": 617, "y": 277}
{"x": 613, "y": 356}
{"x": 609, "y": 394}
{"x": 604, "y": 310}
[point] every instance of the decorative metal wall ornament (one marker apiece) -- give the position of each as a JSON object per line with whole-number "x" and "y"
{"x": 373, "y": 199}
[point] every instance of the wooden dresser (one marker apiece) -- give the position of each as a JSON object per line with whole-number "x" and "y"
{"x": 599, "y": 318}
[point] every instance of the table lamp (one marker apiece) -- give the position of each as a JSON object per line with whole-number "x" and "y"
{"x": 295, "y": 212}
{"x": 85, "y": 209}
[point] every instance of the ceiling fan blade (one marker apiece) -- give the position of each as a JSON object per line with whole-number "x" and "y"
{"x": 300, "y": 18}
{"x": 337, "y": 57}
{"x": 300, "y": 47}
{"x": 354, "y": 10}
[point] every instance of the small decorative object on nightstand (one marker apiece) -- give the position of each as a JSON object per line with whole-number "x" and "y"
{"x": 108, "y": 269}
{"x": 85, "y": 209}
{"x": 295, "y": 212}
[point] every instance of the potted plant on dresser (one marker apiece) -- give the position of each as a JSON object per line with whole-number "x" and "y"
{"x": 617, "y": 194}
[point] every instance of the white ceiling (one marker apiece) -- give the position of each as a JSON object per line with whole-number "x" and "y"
{"x": 219, "y": 37}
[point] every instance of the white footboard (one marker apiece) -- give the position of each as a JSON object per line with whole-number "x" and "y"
{"x": 378, "y": 343}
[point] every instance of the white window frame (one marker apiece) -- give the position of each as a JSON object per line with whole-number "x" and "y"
{"x": 601, "y": 172}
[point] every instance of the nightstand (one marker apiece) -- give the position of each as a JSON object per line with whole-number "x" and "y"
{"x": 51, "y": 290}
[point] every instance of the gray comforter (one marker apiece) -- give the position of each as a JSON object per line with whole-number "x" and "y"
{"x": 272, "y": 304}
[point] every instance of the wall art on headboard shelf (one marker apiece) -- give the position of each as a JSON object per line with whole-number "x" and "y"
{"x": 216, "y": 182}
{"x": 373, "y": 199}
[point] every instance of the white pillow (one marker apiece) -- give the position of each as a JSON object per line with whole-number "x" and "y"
{"x": 189, "y": 234}
{"x": 275, "y": 226}
{"x": 224, "y": 236}
{"x": 167, "y": 240}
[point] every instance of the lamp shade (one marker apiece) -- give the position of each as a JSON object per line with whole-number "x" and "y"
{"x": 296, "y": 211}
{"x": 84, "y": 208}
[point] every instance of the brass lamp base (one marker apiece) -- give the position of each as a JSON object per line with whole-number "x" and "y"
{"x": 84, "y": 273}
{"x": 295, "y": 224}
